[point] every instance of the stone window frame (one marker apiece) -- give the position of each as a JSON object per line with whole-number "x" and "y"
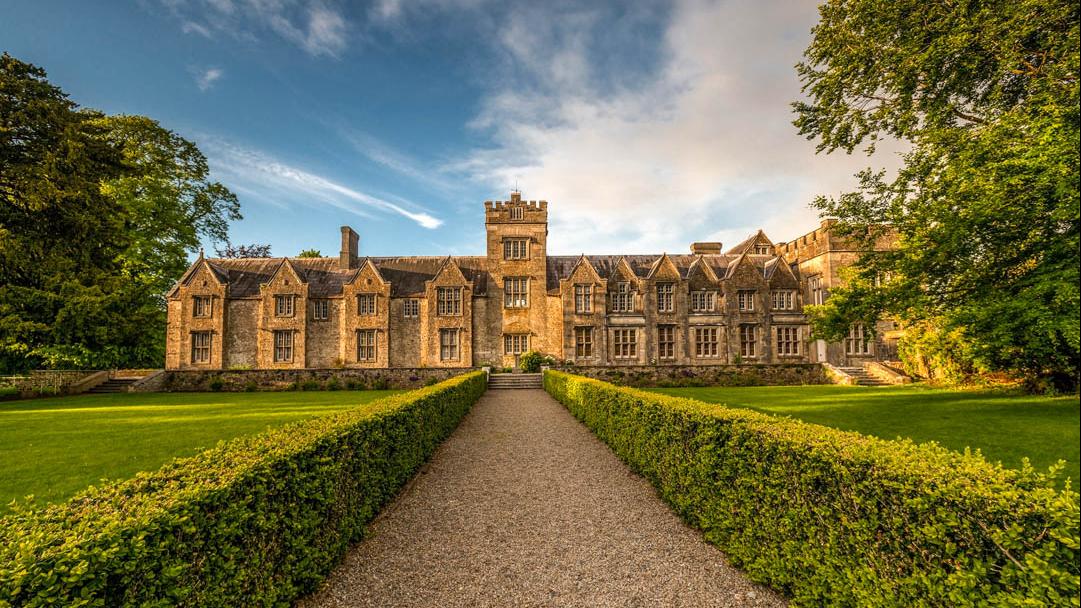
{"x": 516, "y": 248}
{"x": 666, "y": 296}
{"x": 367, "y": 304}
{"x": 583, "y": 342}
{"x": 367, "y": 345}
{"x": 666, "y": 341}
{"x": 857, "y": 342}
{"x": 200, "y": 352}
{"x": 285, "y": 305}
{"x": 583, "y": 298}
{"x": 515, "y": 344}
{"x": 782, "y": 299}
{"x": 748, "y": 341}
{"x": 703, "y": 300}
{"x": 707, "y": 342}
{"x": 411, "y": 308}
{"x": 517, "y": 213}
{"x": 788, "y": 340}
{"x": 761, "y": 249}
{"x": 745, "y": 300}
{"x": 818, "y": 293}
{"x": 320, "y": 310}
{"x": 450, "y": 344}
{"x": 202, "y": 307}
{"x": 625, "y": 343}
{"x": 448, "y": 301}
{"x": 283, "y": 345}
{"x": 515, "y": 292}
{"x": 623, "y": 297}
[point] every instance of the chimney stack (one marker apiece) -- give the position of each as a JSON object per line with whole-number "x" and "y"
{"x": 349, "y": 256}
{"x": 701, "y": 248}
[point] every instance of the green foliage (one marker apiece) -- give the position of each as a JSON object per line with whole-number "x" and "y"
{"x": 310, "y": 253}
{"x": 97, "y": 215}
{"x": 257, "y": 521}
{"x": 837, "y": 518}
{"x": 531, "y": 361}
{"x": 216, "y": 384}
{"x": 310, "y": 385}
{"x": 984, "y": 213}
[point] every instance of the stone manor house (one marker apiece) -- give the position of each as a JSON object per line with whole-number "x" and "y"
{"x": 709, "y": 307}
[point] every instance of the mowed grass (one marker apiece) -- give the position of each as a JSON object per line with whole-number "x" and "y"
{"x": 53, "y": 448}
{"x": 1005, "y": 427}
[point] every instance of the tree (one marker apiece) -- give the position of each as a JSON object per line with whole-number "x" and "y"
{"x": 310, "y": 253}
{"x": 985, "y": 208}
{"x": 254, "y": 250}
{"x": 97, "y": 215}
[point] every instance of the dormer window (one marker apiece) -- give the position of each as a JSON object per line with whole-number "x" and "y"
{"x": 623, "y": 298}
{"x": 202, "y": 306}
{"x": 284, "y": 306}
{"x": 665, "y": 297}
{"x": 761, "y": 249}
{"x": 783, "y": 299}
{"x": 517, "y": 213}
{"x": 365, "y": 304}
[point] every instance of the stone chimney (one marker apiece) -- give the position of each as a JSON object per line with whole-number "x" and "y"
{"x": 701, "y": 248}
{"x": 349, "y": 257}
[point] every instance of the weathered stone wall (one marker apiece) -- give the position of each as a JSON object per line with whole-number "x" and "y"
{"x": 51, "y": 380}
{"x": 706, "y": 375}
{"x": 286, "y": 379}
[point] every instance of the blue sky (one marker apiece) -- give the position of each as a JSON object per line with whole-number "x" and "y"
{"x": 646, "y": 126}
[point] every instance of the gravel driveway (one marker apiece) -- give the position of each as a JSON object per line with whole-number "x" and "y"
{"x": 523, "y": 506}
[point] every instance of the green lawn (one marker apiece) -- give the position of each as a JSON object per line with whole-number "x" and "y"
{"x": 52, "y": 448}
{"x": 1005, "y": 427}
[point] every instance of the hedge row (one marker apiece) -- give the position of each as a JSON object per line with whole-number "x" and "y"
{"x": 838, "y": 518}
{"x": 256, "y": 521}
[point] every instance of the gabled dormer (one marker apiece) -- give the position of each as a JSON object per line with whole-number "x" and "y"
{"x": 583, "y": 290}
{"x": 197, "y": 317}
{"x": 757, "y": 244}
{"x": 784, "y": 287}
{"x": 447, "y": 328}
{"x": 283, "y": 318}
{"x": 365, "y": 320}
{"x": 703, "y": 288}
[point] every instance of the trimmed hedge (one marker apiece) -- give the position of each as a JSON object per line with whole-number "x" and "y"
{"x": 838, "y": 518}
{"x": 256, "y": 521}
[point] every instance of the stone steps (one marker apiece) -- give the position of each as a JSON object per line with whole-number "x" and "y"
{"x": 515, "y": 381}
{"x": 862, "y": 377}
{"x": 113, "y": 385}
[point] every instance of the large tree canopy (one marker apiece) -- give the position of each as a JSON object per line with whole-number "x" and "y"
{"x": 985, "y": 208}
{"x": 97, "y": 216}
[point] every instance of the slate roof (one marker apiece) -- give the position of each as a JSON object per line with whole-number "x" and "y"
{"x": 407, "y": 275}
{"x": 561, "y": 266}
{"x": 745, "y": 245}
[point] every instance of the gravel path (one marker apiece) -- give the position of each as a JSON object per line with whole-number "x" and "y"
{"x": 523, "y": 506}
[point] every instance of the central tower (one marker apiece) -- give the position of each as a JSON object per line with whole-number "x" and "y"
{"x": 517, "y": 233}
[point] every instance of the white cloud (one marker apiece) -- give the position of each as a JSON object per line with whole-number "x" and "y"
{"x": 259, "y": 172}
{"x": 205, "y": 78}
{"x": 700, "y": 148}
{"x": 313, "y": 25}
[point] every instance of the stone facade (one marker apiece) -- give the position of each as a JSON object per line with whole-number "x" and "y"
{"x": 743, "y": 306}
{"x": 786, "y": 374}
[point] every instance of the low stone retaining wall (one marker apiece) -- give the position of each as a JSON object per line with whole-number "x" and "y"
{"x": 788, "y": 374}
{"x": 296, "y": 379}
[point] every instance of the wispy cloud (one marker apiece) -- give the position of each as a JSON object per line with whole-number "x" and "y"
{"x": 205, "y": 78}
{"x": 259, "y": 172}
{"x": 315, "y": 26}
{"x": 699, "y": 145}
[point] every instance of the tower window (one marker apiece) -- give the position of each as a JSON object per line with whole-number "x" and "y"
{"x": 517, "y": 213}
{"x": 516, "y": 249}
{"x": 516, "y": 292}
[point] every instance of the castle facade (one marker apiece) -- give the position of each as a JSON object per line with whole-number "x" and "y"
{"x": 709, "y": 307}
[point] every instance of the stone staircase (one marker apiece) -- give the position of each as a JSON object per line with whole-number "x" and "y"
{"x": 515, "y": 381}
{"x": 112, "y": 385}
{"x": 862, "y": 377}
